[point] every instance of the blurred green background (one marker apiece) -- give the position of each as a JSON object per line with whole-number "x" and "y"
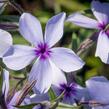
{"x": 73, "y": 35}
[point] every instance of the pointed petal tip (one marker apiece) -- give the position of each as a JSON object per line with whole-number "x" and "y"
{"x": 5, "y": 42}
{"x": 6, "y": 36}
{"x": 79, "y": 19}
{"x": 63, "y": 14}
{"x": 68, "y": 19}
{"x": 30, "y": 28}
{"x": 54, "y": 29}
{"x": 67, "y": 62}
{"x": 24, "y": 14}
{"x": 21, "y": 57}
{"x": 80, "y": 65}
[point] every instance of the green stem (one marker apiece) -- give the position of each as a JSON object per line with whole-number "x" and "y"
{"x": 60, "y": 97}
{"x": 107, "y": 27}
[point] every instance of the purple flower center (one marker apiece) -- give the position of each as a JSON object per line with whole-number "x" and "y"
{"x": 68, "y": 89}
{"x": 43, "y": 51}
{"x": 102, "y": 26}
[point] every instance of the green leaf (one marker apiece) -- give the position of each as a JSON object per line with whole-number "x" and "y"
{"x": 51, "y": 94}
{"x": 30, "y": 106}
{"x": 87, "y": 11}
{"x": 67, "y": 106}
{"x": 1, "y": 80}
{"x": 9, "y": 18}
{"x": 75, "y": 41}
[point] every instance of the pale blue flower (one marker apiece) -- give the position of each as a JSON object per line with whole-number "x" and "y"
{"x": 72, "y": 92}
{"x": 98, "y": 89}
{"x": 5, "y": 102}
{"x": 51, "y": 62}
{"x": 38, "y": 98}
{"x": 100, "y": 11}
{"x": 5, "y": 43}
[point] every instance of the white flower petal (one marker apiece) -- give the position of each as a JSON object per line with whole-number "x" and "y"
{"x": 22, "y": 56}
{"x": 102, "y": 49}
{"x": 54, "y": 29}
{"x": 5, "y": 87}
{"x": 42, "y": 73}
{"x": 58, "y": 76}
{"x": 83, "y": 21}
{"x": 100, "y": 10}
{"x": 5, "y": 42}
{"x": 66, "y": 59}
{"x": 36, "y": 98}
{"x": 30, "y": 28}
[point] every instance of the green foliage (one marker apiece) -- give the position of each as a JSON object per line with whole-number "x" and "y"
{"x": 30, "y": 106}
{"x": 52, "y": 95}
{"x": 9, "y": 18}
{"x": 66, "y": 106}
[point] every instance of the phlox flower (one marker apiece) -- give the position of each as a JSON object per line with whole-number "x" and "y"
{"x": 72, "y": 92}
{"x": 49, "y": 61}
{"x": 4, "y": 101}
{"x": 5, "y": 43}
{"x": 42, "y": 99}
{"x": 98, "y": 89}
{"x": 100, "y": 11}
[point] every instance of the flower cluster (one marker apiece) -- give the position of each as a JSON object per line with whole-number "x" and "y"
{"x": 50, "y": 63}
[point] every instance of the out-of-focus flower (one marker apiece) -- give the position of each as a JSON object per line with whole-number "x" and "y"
{"x": 50, "y": 62}
{"x": 5, "y": 43}
{"x": 98, "y": 89}
{"x": 1, "y": 4}
{"x": 100, "y": 11}
{"x": 42, "y": 101}
{"x": 72, "y": 92}
{"x": 4, "y": 101}
{"x": 8, "y": 100}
